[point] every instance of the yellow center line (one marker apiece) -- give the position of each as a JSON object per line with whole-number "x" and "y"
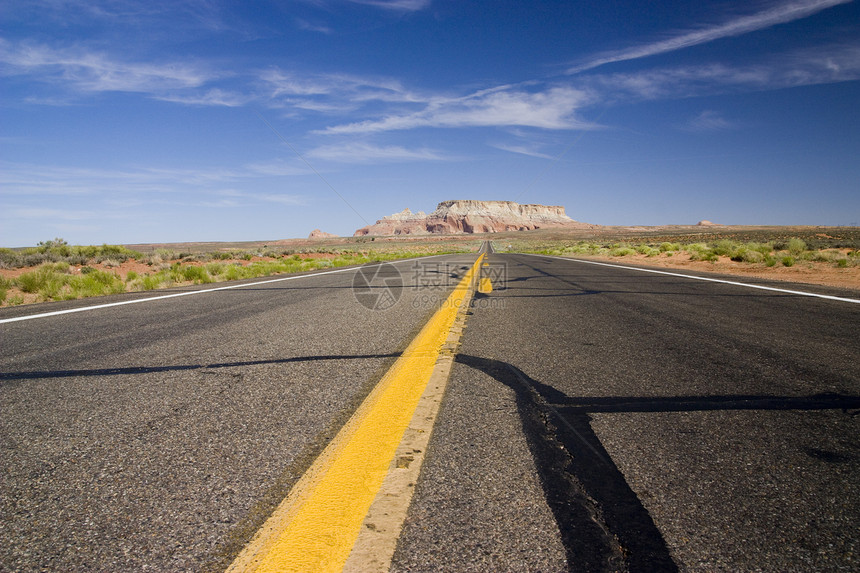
{"x": 316, "y": 526}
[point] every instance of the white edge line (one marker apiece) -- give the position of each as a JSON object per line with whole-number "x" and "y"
{"x": 698, "y": 278}
{"x": 188, "y": 293}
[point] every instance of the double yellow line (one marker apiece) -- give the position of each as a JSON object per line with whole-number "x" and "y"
{"x": 317, "y": 525}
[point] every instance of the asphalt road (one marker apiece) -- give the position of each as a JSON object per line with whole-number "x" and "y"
{"x": 597, "y": 418}
{"x": 160, "y": 435}
{"x": 664, "y": 423}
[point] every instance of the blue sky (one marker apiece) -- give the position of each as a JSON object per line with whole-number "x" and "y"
{"x": 201, "y": 120}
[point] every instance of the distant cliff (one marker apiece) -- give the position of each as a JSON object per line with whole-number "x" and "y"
{"x": 467, "y": 216}
{"x": 317, "y": 234}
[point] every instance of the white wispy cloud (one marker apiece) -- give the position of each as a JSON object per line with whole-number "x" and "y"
{"x": 52, "y": 214}
{"x": 359, "y": 152}
{"x": 276, "y": 168}
{"x": 233, "y": 197}
{"x": 779, "y": 14}
{"x": 522, "y": 150}
{"x": 27, "y": 180}
{"x": 212, "y": 97}
{"x": 187, "y": 14}
{"x": 708, "y": 120}
{"x": 553, "y": 108}
{"x": 812, "y": 66}
{"x": 97, "y": 72}
{"x": 327, "y": 88}
{"x": 305, "y": 25}
{"x": 395, "y": 5}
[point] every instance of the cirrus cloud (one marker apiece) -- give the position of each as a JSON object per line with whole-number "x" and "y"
{"x": 554, "y": 108}
{"x": 97, "y": 72}
{"x": 780, "y": 14}
{"x": 359, "y": 152}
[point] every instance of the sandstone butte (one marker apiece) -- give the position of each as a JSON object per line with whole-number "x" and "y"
{"x": 317, "y": 234}
{"x": 469, "y": 216}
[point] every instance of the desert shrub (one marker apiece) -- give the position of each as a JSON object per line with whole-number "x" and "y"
{"x": 770, "y": 260}
{"x": 796, "y": 246}
{"x": 36, "y": 259}
{"x": 9, "y": 259}
{"x": 750, "y": 256}
{"x": 47, "y": 283}
{"x": 788, "y": 260}
{"x": 842, "y": 263}
{"x": 16, "y": 300}
{"x": 117, "y": 252}
{"x": 668, "y": 247}
{"x": 5, "y": 285}
{"x": 233, "y": 272}
{"x": 151, "y": 282}
{"x": 60, "y": 267}
{"x": 45, "y": 278}
{"x": 748, "y": 252}
{"x": 87, "y": 251}
{"x": 57, "y": 250}
{"x": 588, "y": 248}
{"x": 622, "y": 251}
{"x": 191, "y": 273}
{"x": 763, "y": 248}
{"x": 726, "y": 248}
{"x": 52, "y": 281}
{"x": 29, "y": 282}
{"x": 110, "y": 263}
{"x": 130, "y": 276}
{"x": 96, "y": 283}
{"x": 701, "y": 252}
{"x": 56, "y": 246}
{"x": 821, "y": 256}
{"x": 215, "y": 269}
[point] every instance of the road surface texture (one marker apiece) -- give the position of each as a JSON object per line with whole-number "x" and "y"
{"x": 160, "y": 435}
{"x": 671, "y": 423}
{"x": 597, "y": 419}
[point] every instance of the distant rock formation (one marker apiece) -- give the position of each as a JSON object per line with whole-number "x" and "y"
{"x": 706, "y": 223}
{"x": 468, "y": 216}
{"x": 317, "y": 234}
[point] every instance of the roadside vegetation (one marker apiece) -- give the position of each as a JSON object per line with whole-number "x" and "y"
{"x": 786, "y": 252}
{"x": 66, "y": 272}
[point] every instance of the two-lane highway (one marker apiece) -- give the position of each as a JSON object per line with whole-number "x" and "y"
{"x": 597, "y": 418}
{"x": 161, "y": 434}
{"x": 663, "y": 422}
